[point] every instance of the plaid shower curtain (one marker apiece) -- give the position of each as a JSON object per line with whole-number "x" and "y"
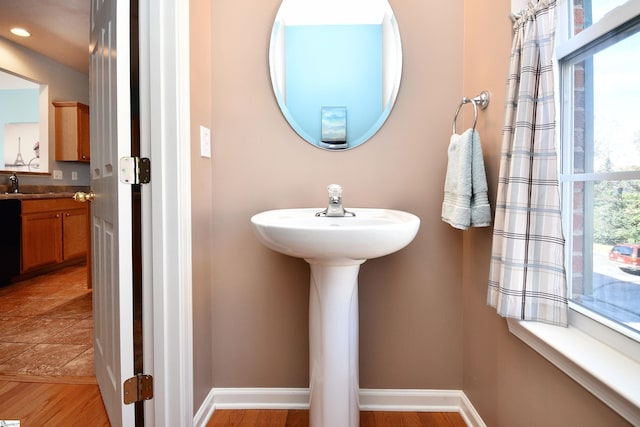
{"x": 527, "y": 278}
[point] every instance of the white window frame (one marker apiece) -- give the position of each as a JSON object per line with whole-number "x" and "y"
{"x": 595, "y": 352}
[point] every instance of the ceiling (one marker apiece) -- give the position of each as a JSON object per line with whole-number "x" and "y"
{"x": 59, "y": 28}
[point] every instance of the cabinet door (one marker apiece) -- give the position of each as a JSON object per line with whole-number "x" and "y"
{"x": 84, "y": 146}
{"x": 74, "y": 233}
{"x": 41, "y": 240}
{"x": 72, "y": 131}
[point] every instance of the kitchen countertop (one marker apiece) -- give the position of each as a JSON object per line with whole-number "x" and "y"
{"x": 27, "y": 196}
{"x": 41, "y": 191}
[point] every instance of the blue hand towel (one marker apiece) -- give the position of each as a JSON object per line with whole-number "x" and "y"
{"x": 466, "y": 202}
{"x": 480, "y": 208}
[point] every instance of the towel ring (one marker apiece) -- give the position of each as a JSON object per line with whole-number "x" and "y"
{"x": 481, "y": 100}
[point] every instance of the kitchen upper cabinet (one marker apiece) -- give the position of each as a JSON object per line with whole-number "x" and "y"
{"x": 53, "y": 231}
{"x": 72, "y": 131}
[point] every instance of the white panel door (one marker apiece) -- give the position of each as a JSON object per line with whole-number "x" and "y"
{"x": 111, "y": 207}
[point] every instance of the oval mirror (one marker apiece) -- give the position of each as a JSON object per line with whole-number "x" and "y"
{"x": 335, "y": 68}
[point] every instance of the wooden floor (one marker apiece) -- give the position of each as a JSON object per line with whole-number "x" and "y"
{"x": 298, "y": 418}
{"x": 37, "y": 404}
{"x": 46, "y": 352}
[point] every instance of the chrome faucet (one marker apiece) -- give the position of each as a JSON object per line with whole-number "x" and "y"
{"x": 13, "y": 179}
{"x": 335, "y": 207}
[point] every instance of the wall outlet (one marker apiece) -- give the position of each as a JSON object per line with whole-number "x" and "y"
{"x": 57, "y": 174}
{"x": 205, "y": 142}
{"x": 74, "y": 176}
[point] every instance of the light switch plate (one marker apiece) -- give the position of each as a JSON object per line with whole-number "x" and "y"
{"x": 205, "y": 142}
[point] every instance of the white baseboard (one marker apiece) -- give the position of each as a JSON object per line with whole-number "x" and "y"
{"x": 205, "y": 411}
{"x": 370, "y": 400}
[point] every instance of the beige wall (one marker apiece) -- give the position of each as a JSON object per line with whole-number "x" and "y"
{"x": 411, "y": 319}
{"x": 508, "y": 383}
{"x": 251, "y": 304}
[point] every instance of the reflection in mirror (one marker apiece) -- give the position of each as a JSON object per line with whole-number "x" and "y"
{"x": 335, "y": 56}
{"x": 23, "y": 125}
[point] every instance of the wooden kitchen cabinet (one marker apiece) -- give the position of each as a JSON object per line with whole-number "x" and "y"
{"x": 54, "y": 231}
{"x": 72, "y": 131}
{"x": 74, "y": 233}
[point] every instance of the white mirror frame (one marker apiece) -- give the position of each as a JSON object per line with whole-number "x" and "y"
{"x": 338, "y": 12}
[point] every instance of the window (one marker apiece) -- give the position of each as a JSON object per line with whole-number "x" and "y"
{"x": 598, "y": 53}
{"x": 586, "y": 12}
{"x": 600, "y": 149}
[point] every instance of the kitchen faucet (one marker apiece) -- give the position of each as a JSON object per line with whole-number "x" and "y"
{"x": 13, "y": 179}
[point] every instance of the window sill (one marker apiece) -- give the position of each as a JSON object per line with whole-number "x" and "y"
{"x": 581, "y": 357}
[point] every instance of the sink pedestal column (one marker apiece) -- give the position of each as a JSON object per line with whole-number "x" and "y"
{"x": 333, "y": 344}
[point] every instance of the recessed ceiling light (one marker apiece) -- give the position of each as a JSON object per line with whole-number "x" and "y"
{"x": 20, "y": 32}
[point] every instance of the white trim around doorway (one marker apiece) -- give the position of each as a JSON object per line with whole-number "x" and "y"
{"x": 165, "y": 139}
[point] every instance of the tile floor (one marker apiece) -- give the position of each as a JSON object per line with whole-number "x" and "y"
{"x": 46, "y": 326}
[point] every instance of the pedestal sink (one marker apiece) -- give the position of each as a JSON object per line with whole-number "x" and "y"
{"x": 334, "y": 247}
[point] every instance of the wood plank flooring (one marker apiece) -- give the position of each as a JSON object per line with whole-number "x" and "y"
{"x": 37, "y": 404}
{"x": 46, "y": 352}
{"x": 300, "y": 418}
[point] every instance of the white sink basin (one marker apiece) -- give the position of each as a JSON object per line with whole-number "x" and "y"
{"x": 370, "y": 234}
{"x": 334, "y": 247}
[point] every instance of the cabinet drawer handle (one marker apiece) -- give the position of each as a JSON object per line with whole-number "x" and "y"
{"x": 57, "y": 215}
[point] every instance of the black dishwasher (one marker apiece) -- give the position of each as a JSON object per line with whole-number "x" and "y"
{"x": 9, "y": 239}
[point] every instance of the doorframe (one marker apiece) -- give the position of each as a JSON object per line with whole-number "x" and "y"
{"x": 166, "y": 221}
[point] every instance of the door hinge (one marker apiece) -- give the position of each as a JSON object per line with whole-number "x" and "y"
{"x": 138, "y": 388}
{"x": 135, "y": 170}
